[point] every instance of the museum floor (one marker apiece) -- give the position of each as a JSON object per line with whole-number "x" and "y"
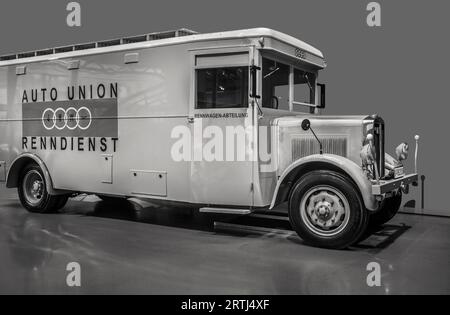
{"x": 136, "y": 248}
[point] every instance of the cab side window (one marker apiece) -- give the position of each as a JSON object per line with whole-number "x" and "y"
{"x": 225, "y": 87}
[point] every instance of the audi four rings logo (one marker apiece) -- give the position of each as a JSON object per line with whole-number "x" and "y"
{"x": 70, "y": 118}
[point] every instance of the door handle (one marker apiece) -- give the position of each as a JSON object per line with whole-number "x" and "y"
{"x": 190, "y": 120}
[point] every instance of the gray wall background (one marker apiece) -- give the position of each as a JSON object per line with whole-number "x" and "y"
{"x": 399, "y": 70}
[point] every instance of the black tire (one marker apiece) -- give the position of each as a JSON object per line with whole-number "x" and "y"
{"x": 350, "y": 216}
{"x": 62, "y": 201}
{"x": 387, "y": 211}
{"x": 37, "y": 200}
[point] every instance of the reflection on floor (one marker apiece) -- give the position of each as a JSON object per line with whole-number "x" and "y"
{"x": 135, "y": 247}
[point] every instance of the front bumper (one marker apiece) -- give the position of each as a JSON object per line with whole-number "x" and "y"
{"x": 385, "y": 186}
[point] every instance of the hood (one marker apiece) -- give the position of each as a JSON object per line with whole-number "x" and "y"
{"x": 322, "y": 121}
{"x": 340, "y": 135}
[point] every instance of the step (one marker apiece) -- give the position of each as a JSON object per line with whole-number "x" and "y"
{"x": 225, "y": 210}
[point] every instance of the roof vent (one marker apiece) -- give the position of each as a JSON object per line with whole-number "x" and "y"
{"x": 64, "y": 49}
{"x": 105, "y": 43}
{"x": 85, "y": 46}
{"x": 8, "y": 57}
{"x": 108, "y": 43}
{"x": 45, "y": 52}
{"x": 135, "y": 39}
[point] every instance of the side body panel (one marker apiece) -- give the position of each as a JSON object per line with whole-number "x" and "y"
{"x": 153, "y": 97}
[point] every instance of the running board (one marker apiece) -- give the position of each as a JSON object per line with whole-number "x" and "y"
{"x": 225, "y": 210}
{"x": 243, "y": 228}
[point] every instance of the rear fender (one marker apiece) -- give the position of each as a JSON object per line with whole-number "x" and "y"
{"x": 13, "y": 177}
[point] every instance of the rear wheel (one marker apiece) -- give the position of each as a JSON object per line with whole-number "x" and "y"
{"x": 387, "y": 211}
{"x": 326, "y": 210}
{"x": 33, "y": 192}
{"x": 62, "y": 201}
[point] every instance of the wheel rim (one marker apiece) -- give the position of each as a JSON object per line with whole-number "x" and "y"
{"x": 33, "y": 187}
{"x": 325, "y": 210}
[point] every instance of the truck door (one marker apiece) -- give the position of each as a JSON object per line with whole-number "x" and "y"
{"x": 221, "y": 121}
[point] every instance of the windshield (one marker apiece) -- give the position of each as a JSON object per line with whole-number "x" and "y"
{"x": 304, "y": 88}
{"x": 276, "y": 88}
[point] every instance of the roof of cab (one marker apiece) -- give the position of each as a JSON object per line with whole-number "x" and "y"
{"x": 151, "y": 40}
{"x": 267, "y": 32}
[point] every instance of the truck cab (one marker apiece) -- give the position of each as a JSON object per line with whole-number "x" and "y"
{"x": 322, "y": 166}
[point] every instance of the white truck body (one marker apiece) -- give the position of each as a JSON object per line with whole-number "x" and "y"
{"x": 210, "y": 120}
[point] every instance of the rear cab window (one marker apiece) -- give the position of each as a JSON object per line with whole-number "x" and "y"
{"x": 222, "y": 81}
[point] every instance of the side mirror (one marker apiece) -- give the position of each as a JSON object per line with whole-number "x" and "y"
{"x": 306, "y": 125}
{"x": 321, "y": 89}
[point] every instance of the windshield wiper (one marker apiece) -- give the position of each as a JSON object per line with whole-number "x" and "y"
{"x": 307, "y": 81}
{"x": 272, "y": 72}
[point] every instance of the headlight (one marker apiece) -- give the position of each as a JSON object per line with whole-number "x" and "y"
{"x": 402, "y": 151}
{"x": 368, "y": 159}
{"x": 366, "y": 153}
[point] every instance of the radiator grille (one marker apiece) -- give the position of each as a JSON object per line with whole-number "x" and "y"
{"x": 305, "y": 146}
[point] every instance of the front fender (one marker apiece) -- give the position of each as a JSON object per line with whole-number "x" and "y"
{"x": 330, "y": 162}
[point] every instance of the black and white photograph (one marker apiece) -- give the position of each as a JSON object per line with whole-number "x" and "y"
{"x": 224, "y": 154}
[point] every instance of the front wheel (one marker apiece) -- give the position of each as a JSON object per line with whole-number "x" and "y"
{"x": 326, "y": 210}
{"x": 387, "y": 211}
{"x": 33, "y": 192}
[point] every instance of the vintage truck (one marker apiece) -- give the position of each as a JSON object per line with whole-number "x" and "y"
{"x": 227, "y": 122}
